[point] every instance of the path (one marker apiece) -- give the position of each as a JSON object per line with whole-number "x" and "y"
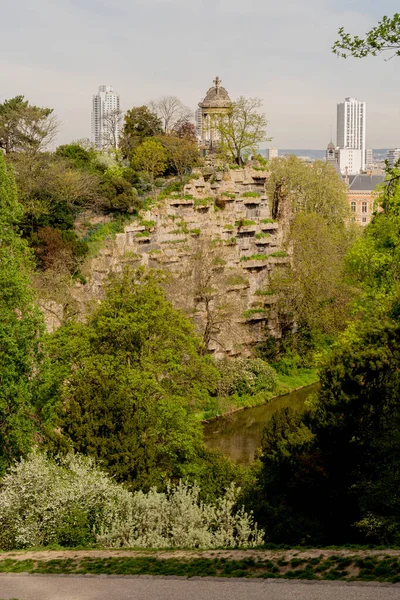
{"x": 56, "y": 587}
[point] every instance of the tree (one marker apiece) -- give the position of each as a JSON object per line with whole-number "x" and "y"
{"x": 182, "y": 153}
{"x": 185, "y": 129}
{"x": 20, "y": 326}
{"x": 293, "y": 186}
{"x": 171, "y": 112}
{"x": 111, "y": 125}
{"x": 242, "y": 129}
{"x": 382, "y": 38}
{"x": 150, "y": 157}
{"x": 25, "y": 127}
{"x": 313, "y": 296}
{"x": 128, "y": 381}
{"x": 140, "y": 123}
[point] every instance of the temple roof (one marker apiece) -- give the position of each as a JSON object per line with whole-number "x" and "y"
{"x": 217, "y": 97}
{"x": 331, "y": 146}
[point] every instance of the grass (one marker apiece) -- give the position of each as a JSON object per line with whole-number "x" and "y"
{"x": 98, "y": 234}
{"x": 254, "y": 257}
{"x": 231, "y": 195}
{"x": 253, "y": 311}
{"x": 244, "y": 223}
{"x": 251, "y": 195}
{"x": 384, "y": 568}
{"x": 298, "y": 378}
{"x": 203, "y": 202}
{"x": 265, "y": 221}
{"x": 279, "y": 254}
{"x": 260, "y": 236}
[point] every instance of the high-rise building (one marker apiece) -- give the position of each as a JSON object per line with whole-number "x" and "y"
{"x": 351, "y": 126}
{"x": 198, "y": 123}
{"x": 393, "y": 156}
{"x": 272, "y": 153}
{"x": 105, "y": 118}
{"x": 369, "y": 158}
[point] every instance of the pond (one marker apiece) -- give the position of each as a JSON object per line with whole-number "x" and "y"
{"x": 239, "y": 435}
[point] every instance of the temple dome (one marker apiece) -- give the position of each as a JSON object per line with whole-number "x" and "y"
{"x": 331, "y": 146}
{"x": 217, "y": 97}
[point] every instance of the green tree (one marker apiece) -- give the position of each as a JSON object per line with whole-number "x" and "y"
{"x": 313, "y": 295}
{"x": 293, "y": 186}
{"x": 20, "y": 326}
{"x": 182, "y": 153}
{"x": 242, "y": 129}
{"x": 140, "y": 123}
{"x": 150, "y": 158}
{"x": 128, "y": 383}
{"x": 384, "y": 37}
{"x": 25, "y": 127}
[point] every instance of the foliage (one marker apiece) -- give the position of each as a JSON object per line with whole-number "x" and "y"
{"x": 242, "y": 129}
{"x": 245, "y": 376}
{"x": 384, "y": 36}
{"x": 293, "y": 186}
{"x": 251, "y": 195}
{"x": 20, "y": 326}
{"x": 150, "y": 157}
{"x": 336, "y": 468}
{"x": 182, "y": 153}
{"x": 313, "y": 295}
{"x": 25, "y": 127}
{"x": 140, "y": 123}
{"x": 126, "y": 383}
{"x": 69, "y": 501}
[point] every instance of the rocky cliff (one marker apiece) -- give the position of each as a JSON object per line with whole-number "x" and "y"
{"x": 220, "y": 245}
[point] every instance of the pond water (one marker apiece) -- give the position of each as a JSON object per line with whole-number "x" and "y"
{"x": 239, "y": 435}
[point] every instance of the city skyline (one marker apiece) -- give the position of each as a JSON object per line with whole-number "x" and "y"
{"x": 170, "y": 47}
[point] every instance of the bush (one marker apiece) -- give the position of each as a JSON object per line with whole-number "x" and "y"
{"x": 245, "y": 376}
{"x": 71, "y": 502}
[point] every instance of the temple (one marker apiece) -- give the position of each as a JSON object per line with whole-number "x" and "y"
{"x": 215, "y": 104}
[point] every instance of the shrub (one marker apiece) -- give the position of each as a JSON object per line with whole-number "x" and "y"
{"x": 70, "y": 502}
{"x": 245, "y": 376}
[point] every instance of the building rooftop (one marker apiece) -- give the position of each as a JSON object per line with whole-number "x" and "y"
{"x": 365, "y": 182}
{"x": 216, "y": 97}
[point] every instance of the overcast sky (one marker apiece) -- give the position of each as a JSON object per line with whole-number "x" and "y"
{"x": 57, "y": 53}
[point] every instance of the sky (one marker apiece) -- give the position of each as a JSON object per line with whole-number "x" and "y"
{"x": 57, "y": 53}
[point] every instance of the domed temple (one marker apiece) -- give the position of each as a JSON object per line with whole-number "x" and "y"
{"x": 215, "y": 104}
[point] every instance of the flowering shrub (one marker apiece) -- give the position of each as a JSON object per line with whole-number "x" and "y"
{"x": 245, "y": 376}
{"x": 70, "y": 501}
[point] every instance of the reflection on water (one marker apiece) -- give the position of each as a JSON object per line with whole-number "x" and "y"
{"x": 239, "y": 435}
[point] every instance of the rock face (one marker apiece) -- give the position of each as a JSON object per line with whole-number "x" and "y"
{"x": 219, "y": 243}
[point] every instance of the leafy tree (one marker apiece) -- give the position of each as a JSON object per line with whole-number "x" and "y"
{"x": 20, "y": 326}
{"x": 182, "y": 153}
{"x": 25, "y": 127}
{"x": 81, "y": 158}
{"x": 242, "y": 129}
{"x": 150, "y": 157}
{"x": 332, "y": 475}
{"x": 185, "y": 129}
{"x": 140, "y": 123}
{"x": 128, "y": 382}
{"x": 373, "y": 261}
{"x": 171, "y": 112}
{"x": 313, "y": 295}
{"x": 293, "y": 186}
{"x": 381, "y": 38}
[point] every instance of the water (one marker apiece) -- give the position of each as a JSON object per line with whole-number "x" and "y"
{"x": 239, "y": 435}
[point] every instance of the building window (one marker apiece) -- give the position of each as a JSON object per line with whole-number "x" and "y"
{"x": 364, "y": 219}
{"x": 364, "y": 207}
{"x": 353, "y": 207}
